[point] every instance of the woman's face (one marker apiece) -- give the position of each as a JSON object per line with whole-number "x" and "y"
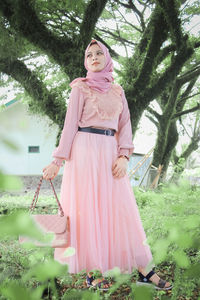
{"x": 95, "y": 58}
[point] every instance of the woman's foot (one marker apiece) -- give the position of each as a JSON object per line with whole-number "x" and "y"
{"x": 100, "y": 283}
{"x": 152, "y": 277}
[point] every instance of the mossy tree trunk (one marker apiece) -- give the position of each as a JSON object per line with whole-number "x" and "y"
{"x": 67, "y": 51}
{"x": 180, "y": 161}
{"x": 141, "y": 78}
{"x": 172, "y": 103}
{"x": 171, "y": 141}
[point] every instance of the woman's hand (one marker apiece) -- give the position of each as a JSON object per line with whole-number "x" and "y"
{"x": 119, "y": 167}
{"x": 50, "y": 171}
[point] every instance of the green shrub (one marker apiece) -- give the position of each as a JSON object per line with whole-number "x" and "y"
{"x": 170, "y": 217}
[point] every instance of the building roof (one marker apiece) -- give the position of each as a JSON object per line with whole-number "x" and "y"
{"x": 7, "y": 103}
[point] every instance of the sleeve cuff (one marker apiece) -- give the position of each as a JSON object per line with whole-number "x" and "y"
{"x": 58, "y": 162}
{"x": 124, "y": 152}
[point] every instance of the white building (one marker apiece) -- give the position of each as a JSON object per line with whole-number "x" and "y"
{"x": 33, "y": 136}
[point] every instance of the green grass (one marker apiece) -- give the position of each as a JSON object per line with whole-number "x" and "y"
{"x": 171, "y": 221}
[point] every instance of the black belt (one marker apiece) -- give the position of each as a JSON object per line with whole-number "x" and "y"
{"x": 109, "y": 132}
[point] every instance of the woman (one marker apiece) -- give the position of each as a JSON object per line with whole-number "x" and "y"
{"x": 96, "y": 143}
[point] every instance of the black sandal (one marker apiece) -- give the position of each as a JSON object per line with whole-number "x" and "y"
{"x": 145, "y": 280}
{"x": 90, "y": 279}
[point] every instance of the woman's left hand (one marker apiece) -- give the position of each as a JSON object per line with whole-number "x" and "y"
{"x": 119, "y": 167}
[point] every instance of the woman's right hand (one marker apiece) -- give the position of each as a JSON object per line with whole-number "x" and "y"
{"x": 50, "y": 171}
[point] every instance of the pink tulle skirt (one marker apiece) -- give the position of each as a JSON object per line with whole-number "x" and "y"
{"x": 105, "y": 226}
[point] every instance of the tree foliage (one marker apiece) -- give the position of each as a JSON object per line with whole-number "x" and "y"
{"x": 157, "y": 50}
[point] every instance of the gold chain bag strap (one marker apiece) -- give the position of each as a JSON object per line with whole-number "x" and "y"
{"x": 57, "y": 224}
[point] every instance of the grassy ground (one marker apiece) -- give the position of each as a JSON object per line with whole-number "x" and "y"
{"x": 171, "y": 221}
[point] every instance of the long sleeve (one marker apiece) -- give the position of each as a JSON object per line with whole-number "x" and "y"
{"x": 73, "y": 115}
{"x": 125, "y": 144}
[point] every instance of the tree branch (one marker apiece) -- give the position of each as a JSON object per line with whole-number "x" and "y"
{"x": 182, "y": 124}
{"x": 175, "y": 156}
{"x": 171, "y": 14}
{"x": 71, "y": 17}
{"x": 140, "y": 15}
{"x": 164, "y": 53}
{"x": 126, "y": 22}
{"x": 169, "y": 107}
{"x": 187, "y": 91}
{"x": 134, "y": 8}
{"x": 184, "y": 96}
{"x": 154, "y": 113}
{"x": 197, "y": 44}
{"x": 45, "y": 99}
{"x": 168, "y": 49}
{"x": 152, "y": 120}
{"x": 191, "y": 147}
{"x": 157, "y": 35}
{"x": 191, "y": 96}
{"x": 19, "y": 13}
{"x": 113, "y": 53}
{"x": 196, "y": 131}
{"x": 117, "y": 37}
{"x": 189, "y": 75}
{"x": 171, "y": 72}
{"x": 187, "y": 111}
{"x": 156, "y": 20}
{"x": 92, "y": 13}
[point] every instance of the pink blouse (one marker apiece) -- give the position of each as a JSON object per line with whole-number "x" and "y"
{"x": 88, "y": 107}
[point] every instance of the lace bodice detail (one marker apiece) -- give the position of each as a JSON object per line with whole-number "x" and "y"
{"x": 88, "y": 108}
{"x": 107, "y": 105}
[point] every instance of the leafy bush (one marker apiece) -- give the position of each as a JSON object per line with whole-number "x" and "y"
{"x": 171, "y": 220}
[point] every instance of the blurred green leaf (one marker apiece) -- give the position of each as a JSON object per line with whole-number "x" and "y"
{"x": 9, "y": 182}
{"x": 181, "y": 259}
{"x": 21, "y": 223}
{"x": 9, "y": 144}
{"x": 193, "y": 271}
{"x": 160, "y": 249}
{"x": 70, "y": 251}
{"x": 37, "y": 293}
{"x": 14, "y": 291}
{"x": 113, "y": 272}
{"x": 184, "y": 240}
{"x": 34, "y": 258}
{"x": 47, "y": 270}
{"x": 77, "y": 295}
{"x": 143, "y": 292}
{"x": 173, "y": 233}
{"x": 89, "y": 296}
{"x": 192, "y": 222}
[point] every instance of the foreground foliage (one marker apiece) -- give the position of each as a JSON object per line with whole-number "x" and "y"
{"x": 171, "y": 220}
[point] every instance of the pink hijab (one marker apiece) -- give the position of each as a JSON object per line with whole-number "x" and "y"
{"x": 100, "y": 81}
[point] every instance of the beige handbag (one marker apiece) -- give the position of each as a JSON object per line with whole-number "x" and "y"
{"x": 57, "y": 224}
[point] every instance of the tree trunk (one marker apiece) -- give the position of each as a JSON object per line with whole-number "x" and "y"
{"x": 181, "y": 160}
{"x": 172, "y": 139}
